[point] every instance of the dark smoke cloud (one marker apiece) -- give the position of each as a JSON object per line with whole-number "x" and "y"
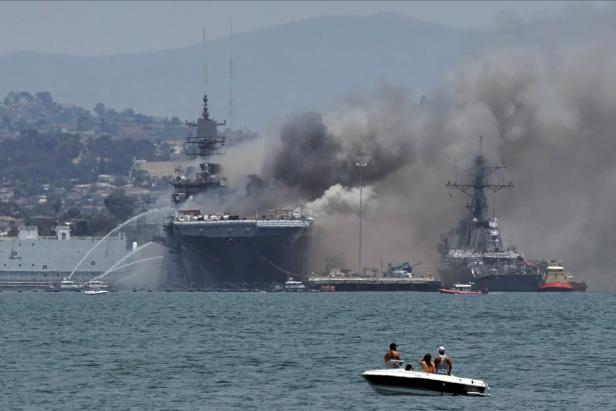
{"x": 311, "y": 158}
{"x": 308, "y": 157}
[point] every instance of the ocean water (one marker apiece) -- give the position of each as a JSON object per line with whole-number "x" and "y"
{"x": 300, "y": 351}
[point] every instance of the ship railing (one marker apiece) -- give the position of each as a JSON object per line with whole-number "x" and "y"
{"x": 262, "y": 223}
{"x": 281, "y": 223}
{"x": 53, "y": 237}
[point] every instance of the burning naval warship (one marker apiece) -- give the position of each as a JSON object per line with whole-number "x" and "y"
{"x": 474, "y": 251}
{"x": 211, "y": 249}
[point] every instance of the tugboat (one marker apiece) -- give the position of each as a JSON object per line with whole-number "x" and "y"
{"x": 474, "y": 251}
{"x": 556, "y": 279}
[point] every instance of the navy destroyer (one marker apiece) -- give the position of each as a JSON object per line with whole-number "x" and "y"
{"x": 474, "y": 251}
{"x": 213, "y": 249}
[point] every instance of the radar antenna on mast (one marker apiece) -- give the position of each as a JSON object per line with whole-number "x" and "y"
{"x": 476, "y": 189}
{"x": 231, "y": 74}
{"x": 206, "y": 113}
{"x": 205, "y": 79}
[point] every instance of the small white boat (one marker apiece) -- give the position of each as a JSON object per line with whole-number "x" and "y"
{"x": 69, "y": 285}
{"x": 95, "y": 292}
{"x": 97, "y": 285}
{"x": 459, "y": 288}
{"x": 399, "y": 378}
{"x": 292, "y": 285}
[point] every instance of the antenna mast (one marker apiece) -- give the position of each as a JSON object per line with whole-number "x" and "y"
{"x": 360, "y": 164}
{"x": 231, "y": 74}
{"x": 204, "y": 61}
{"x": 476, "y": 188}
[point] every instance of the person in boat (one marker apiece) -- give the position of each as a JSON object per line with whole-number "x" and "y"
{"x": 442, "y": 363}
{"x": 392, "y": 354}
{"x": 426, "y": 364}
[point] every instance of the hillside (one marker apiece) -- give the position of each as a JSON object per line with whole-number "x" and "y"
{"x": 302, "y": 65}
{"x": 290, "y": 67}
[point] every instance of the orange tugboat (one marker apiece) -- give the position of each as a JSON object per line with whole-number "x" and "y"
{"x": 556, "y": 279}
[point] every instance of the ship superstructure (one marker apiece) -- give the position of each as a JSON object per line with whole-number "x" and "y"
{"x": 203, "y": 143}
{"x": 220, "y": 249}
{"x": 474, "y": 251}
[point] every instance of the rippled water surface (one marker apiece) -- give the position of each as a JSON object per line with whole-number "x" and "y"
{"x": 300, "y": 351}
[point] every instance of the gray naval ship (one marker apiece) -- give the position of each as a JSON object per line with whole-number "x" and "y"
{"x": 33, "y": 261}
{"x": 214, "y": 249}
{"x": 474, "y": 251}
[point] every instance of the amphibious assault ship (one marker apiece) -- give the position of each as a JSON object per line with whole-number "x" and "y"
{"x": 213, "y": 249}
{"x": 474, "y": 251}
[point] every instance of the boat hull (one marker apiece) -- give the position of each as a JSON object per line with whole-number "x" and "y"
{"x": 95, "y": 292}
{"x": 233, "y": 256}
{"x": 400, "y": 381}
{"x": 448, "y": 291}
{"x": 579, "y": 286}
{"x": 556, "y": 286}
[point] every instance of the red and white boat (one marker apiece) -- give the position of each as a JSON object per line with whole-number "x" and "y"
{"x": 556, "y": 279}
{"x": 461, "y": 289}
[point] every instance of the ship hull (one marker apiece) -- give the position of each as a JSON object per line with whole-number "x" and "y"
{"x": 42, "y": 262}
{"x": 235, "y": 255}
{"x": 509, "y": 282}
{"x": 25, "y": 280}
{"x": 452, "y": 272}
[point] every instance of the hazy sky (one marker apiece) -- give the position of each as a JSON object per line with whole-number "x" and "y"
{"x": 90, "y": 28}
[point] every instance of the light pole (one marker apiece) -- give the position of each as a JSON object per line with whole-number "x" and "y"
{"x": 360, "y": 164}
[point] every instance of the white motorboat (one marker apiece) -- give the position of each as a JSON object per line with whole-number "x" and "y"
{"x": 293, "y": 285}
{"x": 97, "y": 285}
{"x": 399, "y": 378}
{"x": 95, "y": 292}
{"x": 69, "y": 285}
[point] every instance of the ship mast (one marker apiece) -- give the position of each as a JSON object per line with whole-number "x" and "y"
{"x": 360, "y": 164}
{"x": 476, "y": 189}
{"x": 203, "y": 143}
{"x": 206, "y": 141}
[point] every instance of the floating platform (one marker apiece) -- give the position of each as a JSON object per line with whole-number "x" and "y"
{"x": 374, "y": 284}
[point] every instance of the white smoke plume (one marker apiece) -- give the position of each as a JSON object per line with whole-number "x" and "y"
{"x": 339, "y": 200}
